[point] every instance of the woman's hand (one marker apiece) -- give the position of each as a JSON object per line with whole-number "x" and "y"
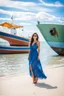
{"x": 38, "y": 58}
{"x": 30, "y": 68}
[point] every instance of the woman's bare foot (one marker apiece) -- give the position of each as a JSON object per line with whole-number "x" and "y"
{"x": 35, "y": 80}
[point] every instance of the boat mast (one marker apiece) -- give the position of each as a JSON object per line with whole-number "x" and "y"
{"x": 12, "y": 19}
{"x": 13, "y": 30}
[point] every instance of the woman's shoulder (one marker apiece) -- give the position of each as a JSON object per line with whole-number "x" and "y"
{"x": 38, "y": 43}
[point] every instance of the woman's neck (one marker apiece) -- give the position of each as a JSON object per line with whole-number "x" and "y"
{"x": 35, "y": 40}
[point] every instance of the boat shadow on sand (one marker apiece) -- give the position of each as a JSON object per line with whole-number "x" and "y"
{"x": 44, "y": 85}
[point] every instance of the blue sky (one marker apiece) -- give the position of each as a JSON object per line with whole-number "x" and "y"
{"x": 28, "y": 12}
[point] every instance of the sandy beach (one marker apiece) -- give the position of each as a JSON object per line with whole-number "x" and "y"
{"x": 21, "y": 85}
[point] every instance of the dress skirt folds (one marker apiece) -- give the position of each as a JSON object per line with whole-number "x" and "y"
{"x": 35, "y": 63}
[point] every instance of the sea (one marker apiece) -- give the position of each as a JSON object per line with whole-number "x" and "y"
{"x": 12, "y": 64}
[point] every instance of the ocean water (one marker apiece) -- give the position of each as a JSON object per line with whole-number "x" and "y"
{"x": 12, "y": 64}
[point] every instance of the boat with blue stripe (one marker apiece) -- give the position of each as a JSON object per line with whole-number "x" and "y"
{"x": 13, "y": 49}
{"x": 14, "y": 40}
{"x": 12, "y": 37}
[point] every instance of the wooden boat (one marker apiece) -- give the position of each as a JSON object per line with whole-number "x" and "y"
{"x": 11, "y": 42}
{"x": 12, "y": 38}
{"x": 13, "y": 49}
{"x": 5, "y": 48}
{"x": 54, "y": 36}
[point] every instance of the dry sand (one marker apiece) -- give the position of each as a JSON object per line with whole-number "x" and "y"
{"x": 21, "y": 85}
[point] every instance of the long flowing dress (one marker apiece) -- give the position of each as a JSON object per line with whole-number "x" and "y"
{"x": 35, "y": 63}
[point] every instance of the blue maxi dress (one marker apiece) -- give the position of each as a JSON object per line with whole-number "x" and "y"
{"x": 35, "y": 63}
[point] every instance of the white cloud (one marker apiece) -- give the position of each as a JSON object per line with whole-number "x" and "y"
{"x": 6, "y": 12}
{"x": 39, "y": 11}
{"x": 5, "y": 19}
{"x": 30, "y": 16}
{"x": 31, "y": 7}
{"x": 25, "y": 23}
{"x": 55, "y": 4}
{"x": 20, "y": 5}
{"x": 25, "y": 16}
{"x": 19, "y": 15}
{"x": 26, "y": 6}
{"x": 61, "y": 20}
{"x": 45, "y": 16}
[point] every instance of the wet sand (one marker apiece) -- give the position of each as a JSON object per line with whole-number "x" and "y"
{"x": 21, "y": 85}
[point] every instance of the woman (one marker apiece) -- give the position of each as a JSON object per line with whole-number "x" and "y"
{"x": 35, "y": 67}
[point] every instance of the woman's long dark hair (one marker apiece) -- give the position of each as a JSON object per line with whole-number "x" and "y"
{"x": 32, "y": 39}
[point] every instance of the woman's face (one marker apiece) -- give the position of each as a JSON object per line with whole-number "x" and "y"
{"x": 35, "y": 36}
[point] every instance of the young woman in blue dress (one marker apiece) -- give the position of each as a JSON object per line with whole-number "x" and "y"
{"x": 35, "y": 68}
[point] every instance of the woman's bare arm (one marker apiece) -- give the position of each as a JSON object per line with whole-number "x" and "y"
{"x": 28, "y": 59}
{"x": 38, "y": 49}
{"x": 29, "y": 51}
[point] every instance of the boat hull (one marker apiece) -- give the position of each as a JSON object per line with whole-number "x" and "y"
{"x": 54, "y": 35}
{"x": 14, "y": 40}
{"x": 13, "y": 50}
{"x": 58, "y": 50}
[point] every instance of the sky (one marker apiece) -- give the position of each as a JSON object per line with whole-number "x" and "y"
{"x": 28, "y": 12}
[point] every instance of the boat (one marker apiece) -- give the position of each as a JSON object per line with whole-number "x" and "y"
{"x": 54, "y": 36}
{"x": 12, "y": 37}
{"x": 5, "y": 48}
{"x": 14, "y": 40}
{"x": 13, "y": 49}
{"x": 11, "y": 43}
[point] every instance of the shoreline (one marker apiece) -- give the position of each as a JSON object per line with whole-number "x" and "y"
{"x": 46, "y": 67}
{"x": 22, "y": 85}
